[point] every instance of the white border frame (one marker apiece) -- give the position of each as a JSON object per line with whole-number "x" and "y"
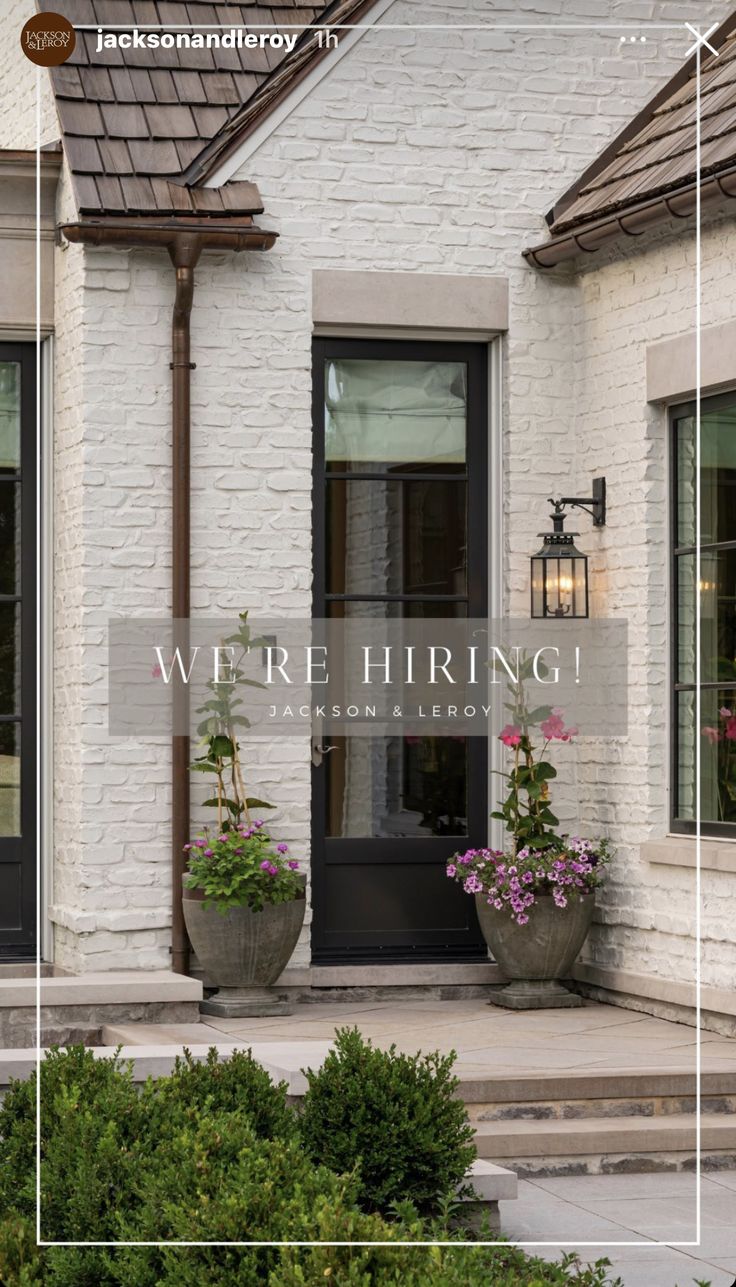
{"x": 617, "y": 27}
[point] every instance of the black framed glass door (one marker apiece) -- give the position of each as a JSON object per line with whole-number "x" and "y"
{"x": 400, "y": 530}
{"x": 17, "y": 650}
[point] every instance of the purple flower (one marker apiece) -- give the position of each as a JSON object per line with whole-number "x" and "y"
{"x": 294, "y": 865}
{"x": 472, "y": 884}
{"x": 265, "y": 865}
{"x": 451, "y": 869}
{"x": 272, "y": 871}
{"x": 187, "y": 848}
{"x": 283, "y": 849}
{"x": 208, "y": 853}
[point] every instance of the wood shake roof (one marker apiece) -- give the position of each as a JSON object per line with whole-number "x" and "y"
{"x": 660, "y": 157}
{"x": 136, "y": 122}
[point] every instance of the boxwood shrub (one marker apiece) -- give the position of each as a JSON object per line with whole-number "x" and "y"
{"x": 396, "y": 1115}
{"x": 213, "y": 1153}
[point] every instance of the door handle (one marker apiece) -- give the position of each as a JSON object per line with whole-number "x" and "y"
{"x": 319, "y": 751}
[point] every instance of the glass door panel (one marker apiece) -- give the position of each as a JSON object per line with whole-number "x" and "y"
{"x": 400, "y": 459}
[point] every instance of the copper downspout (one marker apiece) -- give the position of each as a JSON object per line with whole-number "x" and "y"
{"x": 184, "y": 253}
{"x": 184, "y": 241}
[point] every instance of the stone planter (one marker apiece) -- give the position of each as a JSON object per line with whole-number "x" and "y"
{"x": 244, "y": 953}
{"x": 536, "y": 956}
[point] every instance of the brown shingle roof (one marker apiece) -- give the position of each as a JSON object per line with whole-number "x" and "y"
{"x": 277, "y": 85}
{"x": 657, "y": 156}
{"x": 135, "y": 121}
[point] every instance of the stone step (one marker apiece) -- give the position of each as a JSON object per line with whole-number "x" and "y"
{"x": 499, "y": 1090}
{"x": 75, "y": 1007}
{"x": 598, "y": 1145}
{"x": 163, "y": 1034}
{"x": 572, "y": 1109}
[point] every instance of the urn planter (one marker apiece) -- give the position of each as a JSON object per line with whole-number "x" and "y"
{"x": 243, "y": 952}
{"x": 535, "y": 957}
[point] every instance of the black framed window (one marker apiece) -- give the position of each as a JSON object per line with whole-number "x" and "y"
{"x": 17, "y": 650}
{"x": 715, "y": 729}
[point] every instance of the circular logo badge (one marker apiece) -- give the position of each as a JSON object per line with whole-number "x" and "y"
{"x": 48, "y": 39}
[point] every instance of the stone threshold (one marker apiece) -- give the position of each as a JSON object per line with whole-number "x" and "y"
{"x": 113, "y": 987}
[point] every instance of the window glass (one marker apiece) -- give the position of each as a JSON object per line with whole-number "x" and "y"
{"x": 9, "y": 416}
{"x": 718, "y": 477}
{"x": 397, "y": 786}
{"x": 9, "y": 779}
{"x": 388, "y": 415}
{"x": 9, "y": 536}
{"x": 9, "y": 659}
{"x": 396, "y": 537}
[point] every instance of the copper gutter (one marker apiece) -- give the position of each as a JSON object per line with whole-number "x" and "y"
{"x": 631, "y": 221}
{"x": 184, "y": 239}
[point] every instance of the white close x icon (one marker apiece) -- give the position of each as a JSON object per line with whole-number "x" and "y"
{"x": 701, "y": 39}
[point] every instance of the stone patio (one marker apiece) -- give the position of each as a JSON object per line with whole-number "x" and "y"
{"x": 596, "y": 1038}
{"x": 593, "y": 1108}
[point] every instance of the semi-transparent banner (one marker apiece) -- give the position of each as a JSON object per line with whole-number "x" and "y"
{"x": 366, "y": 676}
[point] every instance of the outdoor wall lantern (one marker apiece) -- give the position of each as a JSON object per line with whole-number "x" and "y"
{"x": 559, "y": 570}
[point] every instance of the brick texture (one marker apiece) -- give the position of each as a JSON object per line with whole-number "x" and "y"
{"x": 427, "y": 151}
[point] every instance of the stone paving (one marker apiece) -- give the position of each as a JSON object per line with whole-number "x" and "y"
{"x": 602, "y": 1209}
{"x": 640, "y": 1209}
{"x": 597, "y": 1038}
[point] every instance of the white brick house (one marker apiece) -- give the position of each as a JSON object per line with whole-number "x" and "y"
{"x": 430, "y": 156}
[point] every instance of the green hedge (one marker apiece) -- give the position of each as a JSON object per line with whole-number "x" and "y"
{"x": 212, "y": 1153}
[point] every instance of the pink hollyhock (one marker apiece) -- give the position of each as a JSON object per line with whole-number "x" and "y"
{"x": 725, "y": 713}
{"x": 731, "y": 728}
{"x": 711, "y": 733}
{"x": 510, "y": 735}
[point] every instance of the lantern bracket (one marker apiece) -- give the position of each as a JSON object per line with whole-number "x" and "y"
{"x": 594, "y": 505}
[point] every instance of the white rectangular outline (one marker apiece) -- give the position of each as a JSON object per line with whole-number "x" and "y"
{"x": 643, "y": 1241}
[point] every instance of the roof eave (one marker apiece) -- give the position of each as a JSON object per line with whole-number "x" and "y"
{"x": 631, "y": 221}
{"x": 213, "y": 233}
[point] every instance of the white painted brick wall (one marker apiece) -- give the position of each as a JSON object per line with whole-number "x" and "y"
{"x": 18, "y": 85}
{"x": 425, "y": 151}
{"x": 630, "y": 297}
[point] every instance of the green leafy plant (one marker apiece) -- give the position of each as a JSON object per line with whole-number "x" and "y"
{"x": 212, "y": 1153}
{"x": 223, "y": 716}
{"x": 526, "y": 810}
{"x": 395, "y": 1115}
{"x": 242, "y": 868}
